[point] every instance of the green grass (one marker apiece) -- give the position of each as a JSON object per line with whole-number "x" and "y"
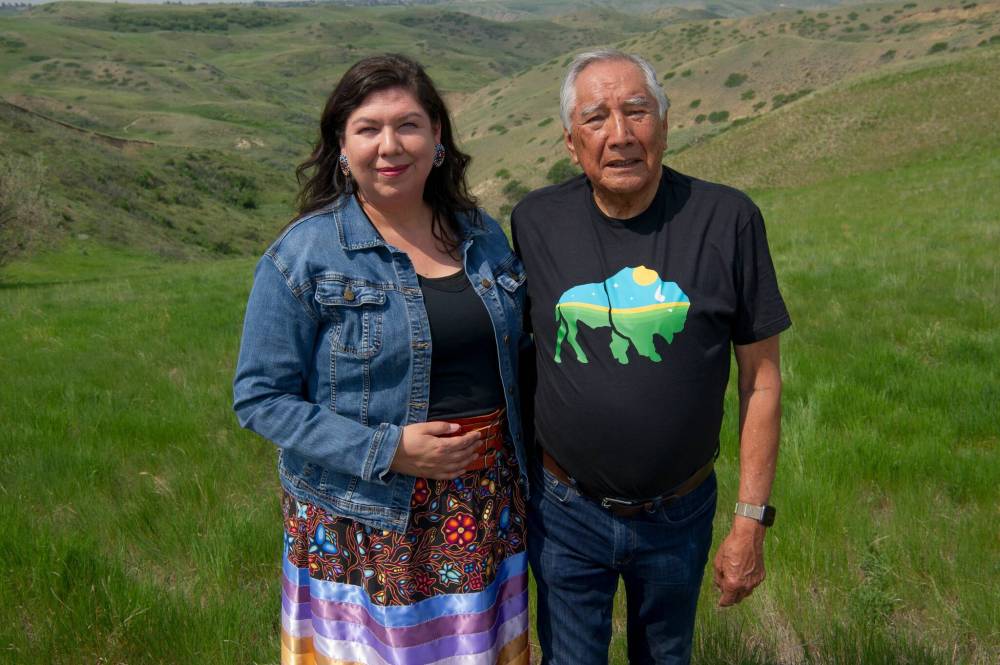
{"x": 140, "y": 525}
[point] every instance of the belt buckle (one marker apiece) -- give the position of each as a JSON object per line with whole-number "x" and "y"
{"x": 608, "y": 503}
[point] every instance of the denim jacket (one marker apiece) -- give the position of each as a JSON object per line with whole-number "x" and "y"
{"x": 336, "y": 356}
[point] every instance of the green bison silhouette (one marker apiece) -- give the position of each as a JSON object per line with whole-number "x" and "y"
{"x": 635, "y": 303}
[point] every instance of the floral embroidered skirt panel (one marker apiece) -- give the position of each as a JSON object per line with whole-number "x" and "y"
{"x": 451, "y": 590}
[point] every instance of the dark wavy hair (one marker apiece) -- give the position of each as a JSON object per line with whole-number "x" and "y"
{"x": 446, "y": 191}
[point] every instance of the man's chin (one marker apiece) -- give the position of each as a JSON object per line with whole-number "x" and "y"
{"x": 625, "y": 183}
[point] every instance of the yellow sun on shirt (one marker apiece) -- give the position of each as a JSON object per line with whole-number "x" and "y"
{"x": 643, "y": 276}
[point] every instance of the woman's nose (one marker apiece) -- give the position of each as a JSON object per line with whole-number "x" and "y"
{"x": 389, "y": 145}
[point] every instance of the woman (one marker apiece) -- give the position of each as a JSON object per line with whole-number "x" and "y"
{"x": 378, "y": 354}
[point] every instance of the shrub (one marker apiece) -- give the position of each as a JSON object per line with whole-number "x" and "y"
{"x": 503, "y": 174}
{"x": 700, "y": 118}
{"x": 499, "y": 129}
{"x": 938, "y": 47}
{"x": 718, "y": 116}
{"x": 780, "y": 99}
{"x": 748, "y": 95}
{"x": 695, "y": 103}
{"x": 24, "y": 218}
{"x": 686, "y": 73}
{"x": 546, "y": 121}
{"x": 515, "y": 190}
{"x": 562, "y": 170}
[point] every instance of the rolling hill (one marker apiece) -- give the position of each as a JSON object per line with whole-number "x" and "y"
{"x": 242, "y": 87}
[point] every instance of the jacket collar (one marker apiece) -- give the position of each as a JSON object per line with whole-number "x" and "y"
{"x": 357, "y": 232}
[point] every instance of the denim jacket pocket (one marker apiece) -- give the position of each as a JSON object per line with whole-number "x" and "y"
{"x": 354, "y": 311}
{"x": 511, "y": 277}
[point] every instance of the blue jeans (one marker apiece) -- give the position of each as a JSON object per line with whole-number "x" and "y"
{"x": 578, "y": 551}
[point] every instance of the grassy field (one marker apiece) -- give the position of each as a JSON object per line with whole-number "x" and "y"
{"x": 140, "y": 525}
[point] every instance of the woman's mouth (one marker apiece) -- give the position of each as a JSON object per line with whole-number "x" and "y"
{"x": 392, "y": 171}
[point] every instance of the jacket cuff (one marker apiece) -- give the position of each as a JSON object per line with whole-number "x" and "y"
{"x": 384, "y": 445}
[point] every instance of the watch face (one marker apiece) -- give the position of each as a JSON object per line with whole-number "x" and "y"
{"x": 767, "y": 519}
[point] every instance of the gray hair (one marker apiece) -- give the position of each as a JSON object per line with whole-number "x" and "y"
{"x": 567, "y": 95}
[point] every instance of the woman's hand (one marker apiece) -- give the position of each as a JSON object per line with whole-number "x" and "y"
{"x": 428, "y": 450}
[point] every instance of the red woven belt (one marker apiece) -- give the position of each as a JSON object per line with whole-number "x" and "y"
{"x": 491, "y": 427}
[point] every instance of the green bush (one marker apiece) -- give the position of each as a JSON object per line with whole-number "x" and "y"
{"x": 938, "y": 47}
{"x": 735, "y": 80}
{"x": 748, "y": 95}
{"x": 515, "y": 190}
{"x": 695, "y": 103}
{"x": 700, "y": 118}
{"x": 718, "y": 116}
{"x": 24, "y": 219}
{"x": 780, "y": 99}
{"x": 562, "y": 170}
{"x": 546, "y": 121}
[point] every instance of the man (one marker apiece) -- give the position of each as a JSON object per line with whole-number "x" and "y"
{"x": 639, "y": 281}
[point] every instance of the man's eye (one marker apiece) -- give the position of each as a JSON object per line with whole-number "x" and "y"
{"x": 367, "y": 130}
{"x": 409, "y": 125}
{"x": 594, "y": 119}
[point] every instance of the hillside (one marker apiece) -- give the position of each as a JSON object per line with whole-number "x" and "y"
{"x": 241, "y": 88}
{"x": 231, "y": 94}
{"x": 720, "y": 72}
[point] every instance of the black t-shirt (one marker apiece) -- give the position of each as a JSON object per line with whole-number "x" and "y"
{"x": 633, "y": 322}
{"x": 465, "y": 374}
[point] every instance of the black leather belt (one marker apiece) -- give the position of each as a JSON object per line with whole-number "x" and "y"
{"x": 624, "y": 507}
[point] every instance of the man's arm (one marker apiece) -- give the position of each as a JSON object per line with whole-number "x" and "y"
{"x": 739, "y": 563}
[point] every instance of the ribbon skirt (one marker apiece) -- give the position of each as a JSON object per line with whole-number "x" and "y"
{"x": 452, "y": 589}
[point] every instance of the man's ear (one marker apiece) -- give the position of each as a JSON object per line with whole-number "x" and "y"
{"x": 666, "y": 125}
{"x": 568, "y": 139}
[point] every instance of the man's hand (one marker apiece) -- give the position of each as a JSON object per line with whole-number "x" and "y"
{"x": 739, "y": 563}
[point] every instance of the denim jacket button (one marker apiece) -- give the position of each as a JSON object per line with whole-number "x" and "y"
{"x": 506, "y": 339}
{"x": 348, "y": 294}
{"x": 486, "y": 283}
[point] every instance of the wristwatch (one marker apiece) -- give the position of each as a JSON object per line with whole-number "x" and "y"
{"x": 763, "y": 514}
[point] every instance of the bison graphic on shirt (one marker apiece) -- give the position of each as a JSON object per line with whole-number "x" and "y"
{"x": 634, "y": 302}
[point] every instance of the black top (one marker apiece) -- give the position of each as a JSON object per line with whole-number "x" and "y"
{"x": 633, "y": 322}
{"x": 465, "y": 374}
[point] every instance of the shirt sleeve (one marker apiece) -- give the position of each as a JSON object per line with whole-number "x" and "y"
{"x": 274, "y": 362}
{"x": 761, "y": 311}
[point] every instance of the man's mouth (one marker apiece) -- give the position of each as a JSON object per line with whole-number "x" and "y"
{"x": 622, "y": 163}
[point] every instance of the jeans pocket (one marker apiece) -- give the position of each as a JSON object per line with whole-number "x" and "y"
{"x": 557, "y": 489}
{"x": 689, "y": 507}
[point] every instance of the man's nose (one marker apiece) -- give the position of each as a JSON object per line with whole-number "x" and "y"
{"x": 619, "y": 131}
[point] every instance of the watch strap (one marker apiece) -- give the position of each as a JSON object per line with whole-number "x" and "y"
{"x": 763, "y": 514}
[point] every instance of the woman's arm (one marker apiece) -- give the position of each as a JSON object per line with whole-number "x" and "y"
{"x": 276, "y": 350}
